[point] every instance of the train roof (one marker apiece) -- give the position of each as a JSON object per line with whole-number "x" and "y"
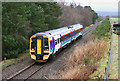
{"x": 51, "y": 33}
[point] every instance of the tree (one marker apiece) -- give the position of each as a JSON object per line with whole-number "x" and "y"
{"x": 95, "y": 15}
{"x": 51, "y": 11}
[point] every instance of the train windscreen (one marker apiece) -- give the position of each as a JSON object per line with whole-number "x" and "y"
{"x": 33, "y": 44}
{"x": 46, "y": 45}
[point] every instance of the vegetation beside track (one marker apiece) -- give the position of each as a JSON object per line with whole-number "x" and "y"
{"x": 103, "y": 32}
{"x": 13, "y": 61}
{"x": 103, "y": 29}
{"x": 83, "y": 62}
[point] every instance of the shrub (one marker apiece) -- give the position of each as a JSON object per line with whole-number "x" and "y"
{"x": 81, "y": 62}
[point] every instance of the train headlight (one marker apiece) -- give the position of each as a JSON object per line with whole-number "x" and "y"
{"x": 33, "y": 49}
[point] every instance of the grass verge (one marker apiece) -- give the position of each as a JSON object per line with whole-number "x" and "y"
{"x": 9, "y": 62}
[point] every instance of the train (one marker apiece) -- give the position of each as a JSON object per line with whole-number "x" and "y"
{"x": 45, "y": 44}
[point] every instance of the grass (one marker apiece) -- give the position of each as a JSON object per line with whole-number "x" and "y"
{"x": 9, "y": 62}
{"x": 114, "y": 20}
{"x": 114, "y": 59}
{"x": 99, "y": 73}
{"x": 103, "y": 29}
{"x": 82, "y": 63}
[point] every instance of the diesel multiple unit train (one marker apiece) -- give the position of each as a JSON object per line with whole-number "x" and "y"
{"x": 43, "y": 44}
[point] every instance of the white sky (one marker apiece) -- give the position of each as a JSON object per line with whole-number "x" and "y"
{"x": 99, "y": 5}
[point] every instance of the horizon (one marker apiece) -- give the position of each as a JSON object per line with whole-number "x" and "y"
{"x": 99, "y": 5}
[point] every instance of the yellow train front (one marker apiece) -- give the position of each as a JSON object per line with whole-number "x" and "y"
{"x": 39, "y": 47}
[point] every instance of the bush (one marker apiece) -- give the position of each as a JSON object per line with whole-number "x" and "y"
{"x": 81, "y": 62}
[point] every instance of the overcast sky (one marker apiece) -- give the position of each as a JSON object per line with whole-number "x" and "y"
{"x": 99, "y": 5}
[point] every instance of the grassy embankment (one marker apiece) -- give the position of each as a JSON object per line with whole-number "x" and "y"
{"x": 102, "y": 31}
{"x": 91, "y": 58}
{"x": 114, "y": 60}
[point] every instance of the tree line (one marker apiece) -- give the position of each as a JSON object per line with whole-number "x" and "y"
{"x": 75, "y": 14}
{"x": 23, "y": 19}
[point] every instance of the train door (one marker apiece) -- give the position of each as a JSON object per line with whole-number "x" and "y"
{"x": 57, "y": 42}
{"x": 72, "y": 34}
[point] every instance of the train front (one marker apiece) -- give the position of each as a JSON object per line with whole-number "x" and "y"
{"x": 39, "y": 48}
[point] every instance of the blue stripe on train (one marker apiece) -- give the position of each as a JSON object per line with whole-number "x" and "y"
{"x": 66, "y": 41}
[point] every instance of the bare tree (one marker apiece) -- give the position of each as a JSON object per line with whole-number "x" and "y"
{"x": 75, "y": 15}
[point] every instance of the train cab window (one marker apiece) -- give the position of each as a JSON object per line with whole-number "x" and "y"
{"x": 46, "y": 46}
{"x": 33, "y": 44}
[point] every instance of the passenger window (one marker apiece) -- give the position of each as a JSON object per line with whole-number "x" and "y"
{"x": 58, "y": 40}
{"x": 55, "y": 42}
{"x": 46, "y": 46}
{"x": 61, "y": 39}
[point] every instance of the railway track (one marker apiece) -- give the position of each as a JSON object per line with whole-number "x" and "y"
{"x": 12, "y": 76}
{"x": 25, "y": 70}
{"x": 90, "y": 29}
{"x": 37, "y": 67}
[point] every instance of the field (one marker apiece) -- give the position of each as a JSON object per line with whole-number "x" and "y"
{"x": 114, "y": 20}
